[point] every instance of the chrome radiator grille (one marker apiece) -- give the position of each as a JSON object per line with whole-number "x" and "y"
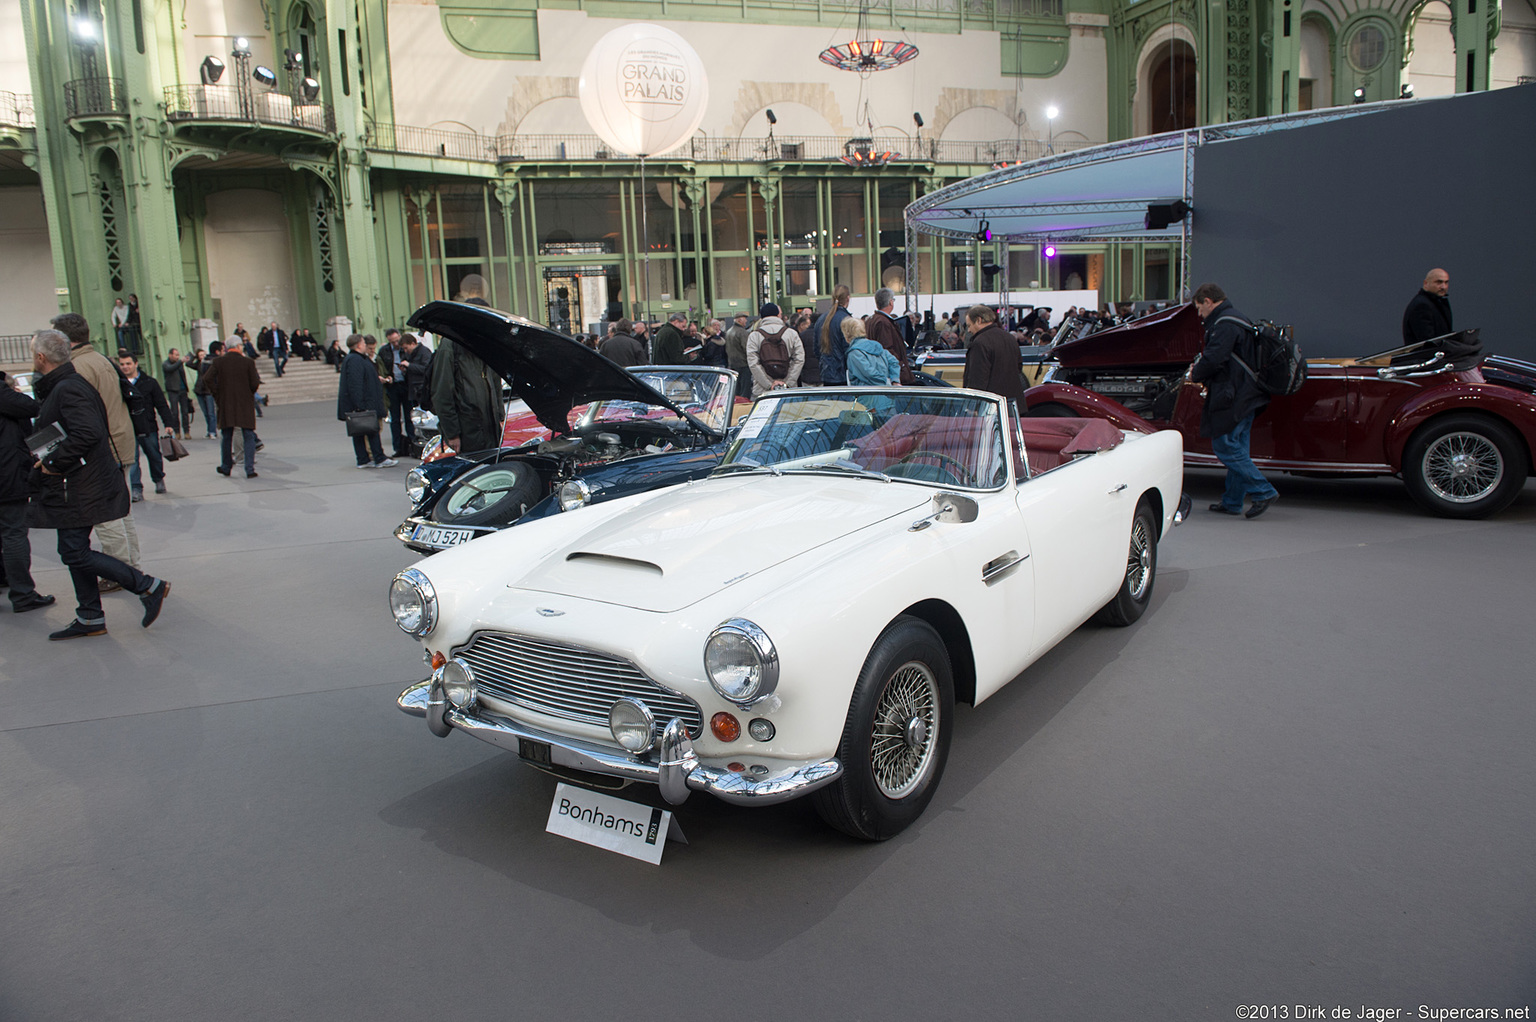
{"x": 568, "y": 681}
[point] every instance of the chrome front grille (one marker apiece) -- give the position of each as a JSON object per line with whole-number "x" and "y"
{"x": 568, "y": 681}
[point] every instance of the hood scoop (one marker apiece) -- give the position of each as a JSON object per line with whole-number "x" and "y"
{"x": 610, "y": 562}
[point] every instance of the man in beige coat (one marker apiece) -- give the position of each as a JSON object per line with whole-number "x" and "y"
{"x": 118, "y": 538}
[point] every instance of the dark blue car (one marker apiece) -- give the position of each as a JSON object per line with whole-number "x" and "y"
{"x": 596, "y": 431}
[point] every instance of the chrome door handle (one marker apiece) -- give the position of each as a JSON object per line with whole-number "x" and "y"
{"x": 1117, "y": 489}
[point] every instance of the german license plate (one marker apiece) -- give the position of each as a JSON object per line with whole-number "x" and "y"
{"x": 441, "y": 536}
{"x": 532, "y": 751}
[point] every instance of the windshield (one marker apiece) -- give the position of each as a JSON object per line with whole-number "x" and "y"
{"x": 917, "y": 436}
{"x": 703, "y": 393}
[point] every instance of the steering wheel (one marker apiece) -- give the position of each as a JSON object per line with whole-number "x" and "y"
{"x": 957, "y": 472}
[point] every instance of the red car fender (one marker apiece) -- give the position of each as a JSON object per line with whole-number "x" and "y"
{"x": 1088, "y": 405}
{"x": 1511, "y": 407}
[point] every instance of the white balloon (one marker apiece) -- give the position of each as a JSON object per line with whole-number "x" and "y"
{"x": 643, "y": 89}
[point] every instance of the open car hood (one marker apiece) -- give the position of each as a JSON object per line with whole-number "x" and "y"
{"x": 549, "y": 371}
{"x": 1171, "y": 337}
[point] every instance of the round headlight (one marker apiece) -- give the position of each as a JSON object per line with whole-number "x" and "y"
{"x": 415, "y": 484}
{"x": 741, "y": 662}
{"x": 632, "y": 724}
{"x": 413, "y": 601}
{"x": 573, "y": 494}
{"x": 458, "y": 683}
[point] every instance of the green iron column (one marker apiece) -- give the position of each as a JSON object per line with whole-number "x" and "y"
{"x": 1284, "y": 56}
{"x": 1474, "y": 24}
{"x": 351, "y": 183}
{"x": 506, "y": 198}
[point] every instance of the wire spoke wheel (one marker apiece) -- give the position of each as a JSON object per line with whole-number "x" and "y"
{"x": 1463, "y": 467}
{"x": 1139, "y": 562}
{"x": 906, "y": 729}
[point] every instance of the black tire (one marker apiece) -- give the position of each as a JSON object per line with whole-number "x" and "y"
{"x": 1464, "y": 466}
{"x": 489, "y": 495}
{"x": 1051, "y": 410}
{"x": 1135, "y": 591}
{"x": 882, "y": 791}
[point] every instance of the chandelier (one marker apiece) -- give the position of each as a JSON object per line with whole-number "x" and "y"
{"x": 865, "y": 55}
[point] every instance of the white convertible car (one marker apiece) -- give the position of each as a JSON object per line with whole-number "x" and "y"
{"x": 802, "y": 621}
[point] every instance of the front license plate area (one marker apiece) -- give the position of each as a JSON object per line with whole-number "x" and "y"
{"x": 441, "y": 537}
{"x": 533, "y": 752}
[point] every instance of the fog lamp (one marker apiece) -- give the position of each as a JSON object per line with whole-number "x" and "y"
{"x": 761, "y": 729}
{"x": 573, "y": 494}
{"x": 458, "y": 683}
{"x": 633, "y": 725}
{"x": 725, "y": 726}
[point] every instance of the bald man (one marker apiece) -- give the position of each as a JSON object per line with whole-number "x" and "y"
{"x": 1429, "y": 312}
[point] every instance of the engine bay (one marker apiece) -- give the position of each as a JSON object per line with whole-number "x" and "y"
{"x": 1151, "y": 393}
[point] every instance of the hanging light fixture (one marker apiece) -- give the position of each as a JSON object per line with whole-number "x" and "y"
{"x": 861, "y": 152}
{"x": 864, "y": 54}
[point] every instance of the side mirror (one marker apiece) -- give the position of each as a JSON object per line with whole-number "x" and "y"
{"x": 948, "y": 509}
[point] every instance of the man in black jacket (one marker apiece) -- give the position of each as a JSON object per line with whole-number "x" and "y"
{"x": 993, "y": 362}
{"x": 16, "y": 413}
{"x": 1232, "y": 399}
{"x": 466, "y": 394}
{"x": 144, "y": 397}
{"x": 1429, "y": 312}
{"x": 78, "y": 485}
{"x": 360, "y": 391}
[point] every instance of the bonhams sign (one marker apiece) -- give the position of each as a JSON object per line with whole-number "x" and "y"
{"x": 643, "y": 90}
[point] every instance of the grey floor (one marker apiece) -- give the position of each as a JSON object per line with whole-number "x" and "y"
{"x": 1305, "y": 777}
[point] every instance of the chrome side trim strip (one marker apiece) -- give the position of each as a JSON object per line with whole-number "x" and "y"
{"x": 1282, "y": 465}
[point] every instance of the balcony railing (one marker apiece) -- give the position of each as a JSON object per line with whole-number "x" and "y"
{"x": 16, "y": 111}
{"x": 458, "y": 145}
{"x": 15, "y": 348}
{"x": 464, "y": 145}
{"x": 232, "y": 103}
{"x": 95, "y": 97}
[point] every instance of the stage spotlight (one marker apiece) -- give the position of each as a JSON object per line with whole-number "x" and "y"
{"x": 773, "y": 120}
{"x": 264, "y": 76}
{"x": 1359, "y": 95}
{"x": 917, "y": 118}
{"x": 984, "y": 232}
{"x": 1050, "y": 251}
{"x": 242, "y": 46}
{"x": 293, "y": 60}
{"x": 311, "y": 90}
{"x": 211, "y": 70}
{"x": 1162, "y": 215}
{"x": 1406, "y": 92}
{"x": 989, "y": 270}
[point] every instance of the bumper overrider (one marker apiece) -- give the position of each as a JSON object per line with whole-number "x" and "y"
{"x": 676, "y": 770}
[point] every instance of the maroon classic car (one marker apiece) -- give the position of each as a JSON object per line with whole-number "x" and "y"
{"x": 1458, "y": 427}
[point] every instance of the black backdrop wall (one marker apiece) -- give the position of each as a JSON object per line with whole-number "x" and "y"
{"x": 1332, "y": 227}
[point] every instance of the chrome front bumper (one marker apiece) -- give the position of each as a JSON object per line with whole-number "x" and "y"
{"x": 677, "y": 770}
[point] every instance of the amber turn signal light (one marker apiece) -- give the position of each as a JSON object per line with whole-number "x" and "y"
{"x": 438, "y": 660}
{"x": 725, "y": 727}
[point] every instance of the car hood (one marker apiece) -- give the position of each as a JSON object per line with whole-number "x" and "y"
{"x": 694, "y": 541}
{"x": 1172, "y": 337}
{"x": 549, "y": 371}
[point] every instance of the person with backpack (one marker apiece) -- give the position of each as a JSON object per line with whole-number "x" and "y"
{"x": 1233, "y": 397}
{"x": 775, "y": 355}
